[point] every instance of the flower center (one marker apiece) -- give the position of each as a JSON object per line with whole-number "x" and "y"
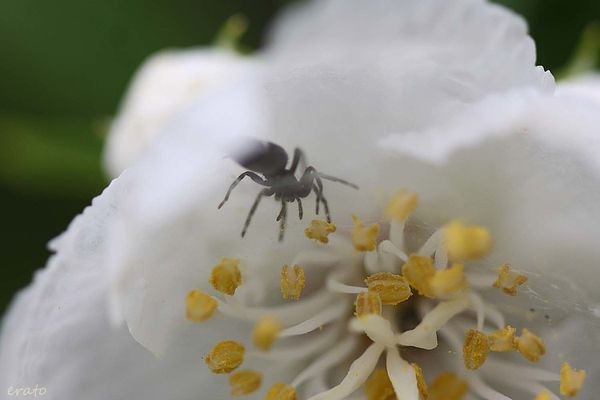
{"x": 399, "y": 299}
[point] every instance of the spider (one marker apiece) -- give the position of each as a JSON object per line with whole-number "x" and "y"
{"x": 269, "y": 160}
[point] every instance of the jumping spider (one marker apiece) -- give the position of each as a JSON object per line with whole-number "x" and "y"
{"x": 270, "y": 160}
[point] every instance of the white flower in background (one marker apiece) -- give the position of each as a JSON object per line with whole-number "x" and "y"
{"x": 163, "y": 87}
{"x": 442, "y": 98}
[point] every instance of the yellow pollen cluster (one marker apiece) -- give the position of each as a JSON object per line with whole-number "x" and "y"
{"x": 545, "y": 395}
{"x": 466, "y": 242}
{"x": 364, "y": 238}
{"x": 508, "y": 281}
{"x": 421, "y": 384}
{"x": 291, "y": 282}
{"x": 265, "y": 332}
{"x": 319, "y": 230}
{"x": 244, "y": 382}
{"x": 503, "y": 340}
{"x": 530, "y": 345}
{"x": 281, "y": 391}
{"x": 475, "y": 349}
{"x": 447, "y": 386}
{"x": 391, "y": 288}
{"x": 367, "y": 303}
{"x": 418, "y": 271}
{"x": 429, "y": 282}
{"x": 379, "y": 386}
{"x": 225, "y": 357}
{"x": 199, "y": 306}
{"x": 448, "y": 281}
{"x": 401, "y": 205}
{"x": 226, "y": 276}
{"x": 571, "y": 380}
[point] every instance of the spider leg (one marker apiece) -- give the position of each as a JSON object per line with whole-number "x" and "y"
{"x": 322, "y": 197}
{"x": 300, "y": 210}
{"x": 283, "y": 215}
{"x": 264, "y": 192}
{"x": 298, "y": 159}
{"x": 338, "y": 180}
{"x": 318, "y": 198}
{"x": 255, "y": 177}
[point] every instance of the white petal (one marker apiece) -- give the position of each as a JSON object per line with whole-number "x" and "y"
{"x": 529, "y": 170}
{"x": 57, "y": 334}
{"x": 164, "y": 86}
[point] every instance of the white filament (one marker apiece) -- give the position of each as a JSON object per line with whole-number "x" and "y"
{"x": 357, "y": 374}
{"x": 329, "y": 314}
{"x": 402, "y": 375}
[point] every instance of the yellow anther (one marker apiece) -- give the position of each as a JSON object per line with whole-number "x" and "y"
{"x": 379, "y": 386}
{"x": 319, "y": 230}
{"x": 226, "y": 276}
{"x": 401, "y": 205}
{"x": 265, "y": 332}
{"x": 475, "y": 349}
{"x": 291, "y": 282}
{"x": 545, "y": 395}
{"x": 225, "y": 357}
{"x": 571, "y": 380}
{"x": 503, "y": 340}
{"x": 367, "y": 303}
{"x": 448, "y": 386}
{"x": 364, "y": 238}
{"x": 508, "y": 281}
{"x": 244, "y": 382}
{"x": 421, "y": 384}
{"x": 466, "y": 242}
{"x": 448, "y": 281}
{"x": 418, "y": 271}
{"x": 199, "y": 306}
{"x": 391, "y": 288}
{"x": 530, "y": 345}
{"x": 281, "y": 391}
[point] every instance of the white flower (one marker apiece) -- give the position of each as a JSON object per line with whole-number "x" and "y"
{"x": 439, "y": 97}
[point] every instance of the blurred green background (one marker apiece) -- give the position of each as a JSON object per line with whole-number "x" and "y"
{"x": 65, "y": 64}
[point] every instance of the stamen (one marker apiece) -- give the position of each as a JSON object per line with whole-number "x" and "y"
{"x": 418, "y": 271}
{"x": 530, "y": 345}
{"x": 244, "y": 382}
{"x": 448, "y": 386}
{"x": 509, "y": 281}
{"x": 265, "y": 332}
{"x": 421, "y": 383}
{"x": 479, "y": 307}
{"x": 332, "y": 313}
{"x": 281, "y": 391}
{"x": 379, "y": 386}
{"x": 335, "y": 286}
{"x": 475, "y": 349}
{"x": 448, "y": 281}
{"x": 225, "y": 357}
{"x": 386, "y": 246}
{"x": 391, "y": 288}
{"x": 571, "y": 380}
{"x": 483, "y": 390}
{"x": 402, "y": 375}
{"x": 331, "y": 358}
{"x": 424, "y": 335}
{"x": 364, "y": 238}
{"x": 319, "y": 230}
{"x": 401, "y": 205}
{"x": 357, "y": 375}
{"x": 225, "y": 276}
{"x": 503, "y": 340}
{"x": 292, "y": 283}
{"x": 367, "y": 303}
{"x": 464, "y": 242}
{"x": 199, "y": 306}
